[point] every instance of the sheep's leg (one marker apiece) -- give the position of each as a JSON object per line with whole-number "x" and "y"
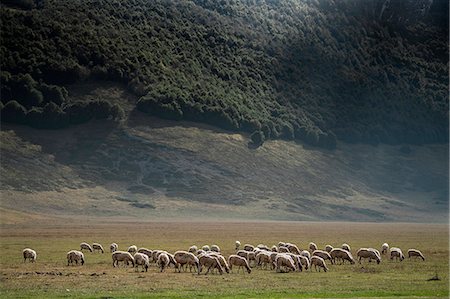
{"x": 209, "y": 268}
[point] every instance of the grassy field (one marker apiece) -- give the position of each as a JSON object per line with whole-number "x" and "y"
{"x": 50, "y": 277}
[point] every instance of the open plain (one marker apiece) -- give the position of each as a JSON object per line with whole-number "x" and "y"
{"x": 51, "y": 277}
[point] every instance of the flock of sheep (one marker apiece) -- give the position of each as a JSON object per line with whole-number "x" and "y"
{"x": 283, "y": 258}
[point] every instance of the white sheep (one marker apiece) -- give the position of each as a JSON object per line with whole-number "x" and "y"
{"x": 141, "y": 259}
{"x": 328, "y": 248}
{"x": 237, "y": 244}
{"x": 312, "y": 246}
{"x": 397, "y": 253}
{"x": 215, "y": 248}
{"x": 122, "y": 256}
{"x": 147, "y": 252}
{"x": 263, "y": 247}
{"x": 183, "y": 258}
{"x": 222, "y": 261}
{"x": 368, "y": 253}
{"x": 274, "y": 248}
{"x": 318, "y": 262}
{"x": 29, "y": 254}
{"x": 263, "y": 259}
{"x": 98, "y": 247}
{"x": 297, "y": 261}
{"x": 85, "y": 246}
{"x": 132, "y": 249}
{"x": 75, "y": 256}
{"x": 236, "y": 260}
{"x": 345, "y": 246}
{"x": 305, "y": 261}
{"x": 323, "y": 254}
{"x": 206, "y": 248}
{"x": 284, "y": 261}
{"x": 193, "y": 249}
{"x": 306, "y": 254}
{"x": 341, "y": 254}
{"x": 163, "y": 261}
{"x": 248, "y": 247}
{"x": 293, "y": 248}
{"x": 283, "y": 249}
{"x": 210, "y": 262}
{"x": 113, "y": 247}
{"x": 415, "y": 253}
{"x": 384, "y": 248}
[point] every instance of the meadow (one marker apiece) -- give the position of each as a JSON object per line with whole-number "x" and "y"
{"x": 50, "y": 276}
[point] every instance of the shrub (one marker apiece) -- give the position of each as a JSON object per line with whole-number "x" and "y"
{"x": 13, "y": 112}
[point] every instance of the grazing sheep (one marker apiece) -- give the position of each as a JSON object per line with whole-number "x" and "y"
{"x": 397, "y": 253}
{"x": 297, "y": 261}
{"x": 132, "y": 249}
{"x": 384, "y": 248}
{"x": 237, "y": 244}
{"x": 345, "y": 246}
{"x": 147, "y": 252}
{"x": 341, "y": 254}
{"x": 215, "y": 248}
{"x": 85, "y": 246}
{"x": 284, "y": 261}
{"x": 209, "y": 262}
{"x": 293, "y": 248}
{"x": 283, "y": 249}
{"x": 206, "y": 248}
{"x": 155, "y": 254}
{"x": 281, "y": 244}
{"x": 163, "y": 261}
{"x": 263, "y": 247}
{"x": 29, "y": 254}
{"x": 75, "y": 256}
{"x": 141, "y": 259}
{"x": 183, "y": 258}
{"x": 236, "y": 260}
{"x": 274, "y": 248}
{"x": 200, "y": 252}
{"x": 368, "y": 253}
{"x": 193, "y": 249}
{"x": 263, "y": 259}
{"x": 122, "y": 256}
{"x": 305, "y": 261}
{"x": 415, "y": 253}
{"x": 328, "y": 248}
{"x": 312, "y": 246}
{"x": 222, "y": 261}
{"x": 113, "y": 247}
{"x": 323, "y": 254}
{"x": 318, "y": 262}
{"x": 306, "y": 254}
{"x": 248, "y": 247}
{"x": 98, "y": 247}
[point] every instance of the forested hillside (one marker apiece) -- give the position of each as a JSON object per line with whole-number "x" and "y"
{"x": 317, "y": 71}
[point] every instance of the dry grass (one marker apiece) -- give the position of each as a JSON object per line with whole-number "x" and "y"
{"x": 50, "y": 277}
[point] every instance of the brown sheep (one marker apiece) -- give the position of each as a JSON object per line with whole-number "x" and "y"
{"x": 368, "y": 253}
{"x": 341, "y": 254}
{"x": 236, "y": 260}
{"x": 318, "y": 262}
{"x": 210, "y": 262}
{"x": 415, "y": 253}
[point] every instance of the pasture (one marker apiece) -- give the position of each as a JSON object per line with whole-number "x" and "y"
{"x": 51, "y": 277}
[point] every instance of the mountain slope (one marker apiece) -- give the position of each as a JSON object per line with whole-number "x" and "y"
{"x": 372, "y": 71}
{"x": 148, "y": 167}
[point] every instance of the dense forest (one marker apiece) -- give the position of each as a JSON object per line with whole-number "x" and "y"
{"x": 317, "y": 71}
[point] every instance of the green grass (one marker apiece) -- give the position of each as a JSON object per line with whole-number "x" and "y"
{"x": 99, "y": 279}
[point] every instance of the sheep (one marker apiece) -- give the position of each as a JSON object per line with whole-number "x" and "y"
{"x": 297, "y": 261}
{"x": 193, "y": 249}
{"x": 210, "y": 262}
{"x": 132, "y": 249}
{"x": 75, "y": 256}
{"x": 237, "y": 244}
{"x": 323, "y": 254}
{"x": 157, "y": 253}
{"x": 384, "y": 248}
{"x": 263, "y": 259}
{"x": 306, "y": 254}
{"x": 142, "y": 260}
{"x": 183, "y": 258}
{"x": 368, "y": 253}
{"x": 397, "y": 253}
{"x": 312, "y": 246}
{"x": 248, "y": 255}
{"x": 122, "y": 256}
{"x": 345, "y": 246}
{"x": 263, "y": 247}
{"x": 215, "y": 248}
{"x": 222, "y": 261}
{"x": 98, "y": 247}
{"x": 236, "y": 260}
{"x": 281, "y": 244}
{"x": 86, "y": 246}
{"x": 274, "y": 248}
{"x": 248, "y": 247}
{"x": 284, "y": 261}
{"x": 147, "y": 252}
{"x": 328, "y": 248}
{"x": 283, "y": 249}
{"x": 29, "y": 254}
{"x": 163, "y": 261}
{"x": 200, "y": 252}
{"x": 342, "y": 254}
{"x": 305, "y": 261}
{"x": 113, "y": 247}
{"x": 293, "y": 248}
{"x": 206, "y": 248}
{"x": 318, "y": 262}
{"x": 273, "y": 257}
{"x": 415, "y": 253}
